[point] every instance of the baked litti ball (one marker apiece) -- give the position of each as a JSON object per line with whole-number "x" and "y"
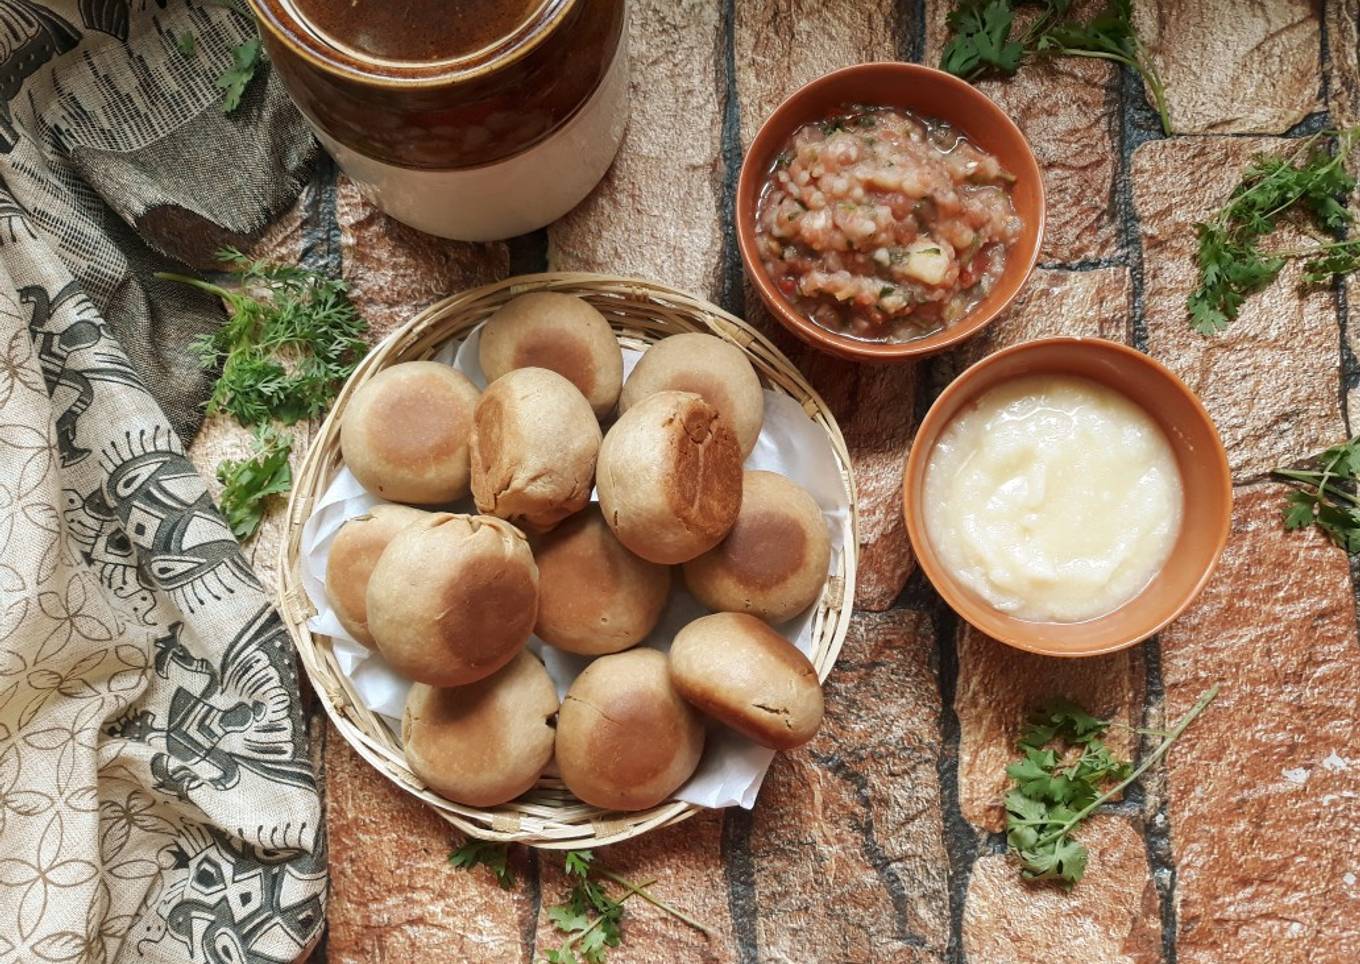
{"x": 669, "y": 477}
{"x": 773, "y": 563}
{"x": 716, "y": 370}
{"x": 594, "y": 596}
{"x": 545, "y": 329}
{"x": 485, "y": 743}
{"x": 453, "y": 598}
{"x": 354, "y": 553}
{"x": 534, "y": 443}
{"x": 405, "y": 433}
{"x": 625, "y": 738}
{"x": 739, "y": 671}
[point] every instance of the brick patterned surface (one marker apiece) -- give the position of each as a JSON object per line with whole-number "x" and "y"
{"x": 878, "y": 841}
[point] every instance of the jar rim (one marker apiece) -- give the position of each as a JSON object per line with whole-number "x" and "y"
{"x": 287, "y": 25}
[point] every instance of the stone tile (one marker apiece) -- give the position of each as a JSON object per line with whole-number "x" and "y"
{"x": 1270, "y": 380}
{"x": 656, "y": 213}
{"x": 1264, "y": 788}
{"x": 782, "y": 44}
{"x": 999, "y": 687}
{"x": 1091, "y": 304}
{"x": 1111, "y": 916}
{"x": 847, "y": 836}
{"x": 394, "y": 271}
{"x": 1069, "y": 112}
{"x": 1343, "y": 44}
{"x": 875, "y": 406}
{"x": 394, "y": 896}
{"x": 1235, "y": 67}
{"x": 686, "y": 863}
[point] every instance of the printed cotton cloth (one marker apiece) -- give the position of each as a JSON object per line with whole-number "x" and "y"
{"x": 157, "y": 800}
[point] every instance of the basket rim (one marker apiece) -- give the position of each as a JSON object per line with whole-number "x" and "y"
{"x": 417, "y": 337}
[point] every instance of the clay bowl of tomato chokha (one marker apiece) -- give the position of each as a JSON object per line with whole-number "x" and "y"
{"x": 888, "y": 210}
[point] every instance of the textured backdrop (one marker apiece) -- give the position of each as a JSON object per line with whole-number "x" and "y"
{"x": 879, "y": 840}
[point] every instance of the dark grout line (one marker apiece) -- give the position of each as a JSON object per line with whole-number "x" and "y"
{"x": 738, "y": 866}
{"x": 910, "y": 28}
{"x": 960, "y": 840}
{"x": 1085, "y": 264}
{"x": 529, "y": 252}
{"x": 740, "y": 872}
{"x": 1138, "y": 126}
{"x": 534, "y": 881}
{"x": 732, "y": 293}
{"x": 321, "y": 250}
{"x": 1157, "y": 826}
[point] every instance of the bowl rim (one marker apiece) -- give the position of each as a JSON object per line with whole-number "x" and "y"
{"x": 753, "y": 166}
{"x": 948, "y": 587}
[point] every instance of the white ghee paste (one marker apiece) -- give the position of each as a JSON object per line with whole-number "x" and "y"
{"x": 1053, "y": 497}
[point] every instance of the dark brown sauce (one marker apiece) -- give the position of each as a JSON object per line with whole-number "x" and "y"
{"x": 415, "y": 30}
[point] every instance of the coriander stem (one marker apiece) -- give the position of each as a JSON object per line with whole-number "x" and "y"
{"x": 1205, "y": 699}
{"x": 1319, "y": 481}
{"x": 199, "y": 283}
{"x": 640, "y": 890}
{"x": 600, "y": 920}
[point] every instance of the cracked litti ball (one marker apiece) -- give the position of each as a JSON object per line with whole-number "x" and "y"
{"x": 773, "y": 564}
{"x": 736, "y": 669}
{"x": 534, "y": 444}
{"x": 625, "y": 738}
{"x": 405, "y": 433}
{"x": 669, "y": 477}
{"x": 453, "y": 598}
{"x": 354, "y": 552}
{"x": 485, "y": 743}
{"x": 716, "y": 370}
{"x": 546, "y": 329}
{"x": 594, "y": 596}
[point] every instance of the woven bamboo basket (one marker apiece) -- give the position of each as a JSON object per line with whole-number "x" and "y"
{"x": 641, "y": 313}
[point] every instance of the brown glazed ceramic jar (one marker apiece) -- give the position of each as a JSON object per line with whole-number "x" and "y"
{"x": 469, "y": 119}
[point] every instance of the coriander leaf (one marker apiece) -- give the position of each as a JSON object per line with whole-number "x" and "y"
{"x": 578, "y": 862}
{"x": 186, "y": 43}
{"x": 244, "y": 61}
{"x": 486, "y": 853}
{"x": 1298, "y": 510}
{"x": 249, "y": 483}
{"x": 980, "y": 40}
{"x": 568, "y": 918}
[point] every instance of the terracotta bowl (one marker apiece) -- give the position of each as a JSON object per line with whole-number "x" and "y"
{"x": 929, "y": 93}
{"x": 1205, "y": 480}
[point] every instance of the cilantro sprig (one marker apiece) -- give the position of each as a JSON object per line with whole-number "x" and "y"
{"x": 245, "y": 60}
{"x": 485, "y": 853}
{"x": 590, "y": 920}
{"x": 1325, "y": 496}
{"x": 980, "y": 41}
{"x": 1233, "y": 264}
{"x": 1064, "y": 774}
{"x": 249, "y": 484}
{"x": 291, "y": 339}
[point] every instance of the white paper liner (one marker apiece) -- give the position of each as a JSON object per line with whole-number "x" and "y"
{"x": 732, "y": 767}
